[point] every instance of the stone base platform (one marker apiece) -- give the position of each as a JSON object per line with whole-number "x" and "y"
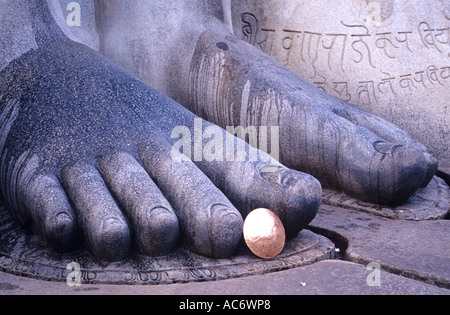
{"x": 429, "y": 203}
{"x": 26, "y": 255}
{"x": 411, "y": 247}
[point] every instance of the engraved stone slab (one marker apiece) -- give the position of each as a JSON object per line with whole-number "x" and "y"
{"x": 430, "y": 203}
{"x": 25, "y": 255}
{"x": 389, "y": 57}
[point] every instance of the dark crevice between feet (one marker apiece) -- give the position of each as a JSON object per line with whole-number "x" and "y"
{"x": 447, "y": 216}
{"x": 446, "y": 177}
{"x": 340, "y": 242}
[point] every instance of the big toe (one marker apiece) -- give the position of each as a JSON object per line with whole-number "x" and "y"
{"x": 297, "y": 200}
{"x": 401, "y": 170}
{"x": 250, "y": 183}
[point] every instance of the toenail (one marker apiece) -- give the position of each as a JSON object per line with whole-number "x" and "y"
{"x": 219, "y": 211}
{"x": 61, "y": 225}
{"x": 160, "y": 232}
{"x": 385, "y": 147}
{"x": 63, "y": 220}
{"x": 162, "y": 218}
{"x": 61, "y": 232}
{"x": 157, "y": 213}
{"x": 113, "y": 243}
{"x": 289, "y": 178}
{"x": 113, "y": 226}
{"x": 274, "y": 176}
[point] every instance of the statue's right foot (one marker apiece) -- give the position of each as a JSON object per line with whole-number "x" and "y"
{"x": 230, "y": 83}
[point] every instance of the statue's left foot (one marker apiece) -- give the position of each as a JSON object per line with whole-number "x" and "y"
{"x": 86, "y": 153}
{"x": 233, "y": 83}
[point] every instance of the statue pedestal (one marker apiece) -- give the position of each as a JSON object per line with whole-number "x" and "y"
{"x": 26, "y": 255}
{"x": 429, "y": 203}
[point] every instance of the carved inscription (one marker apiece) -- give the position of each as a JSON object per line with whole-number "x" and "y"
{"x": 370, "y": 91}
{"x": 253, "y": 34}
{"x": 434, "y": 38}
{"x": 355, "y": 45}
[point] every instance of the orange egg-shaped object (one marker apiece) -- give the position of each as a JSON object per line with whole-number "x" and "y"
{"x": 264, "y": 233}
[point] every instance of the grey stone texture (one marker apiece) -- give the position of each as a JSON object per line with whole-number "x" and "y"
{"x": 226, "y": 81}
{"x": 330, "y": 277}
{"x": 86, "y": 147}
{"x": 87, "y": 151}
{"x": 417, "y": 250}
{"x": 412, "y": 257}
{"x": 429, "y": 203}
{"x": 28, "y": 256}
{"x": 389, "y": 57}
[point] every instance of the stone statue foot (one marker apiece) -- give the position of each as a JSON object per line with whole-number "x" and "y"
{"x": 233, "y": 83}
{"x": 87, "y": 155}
